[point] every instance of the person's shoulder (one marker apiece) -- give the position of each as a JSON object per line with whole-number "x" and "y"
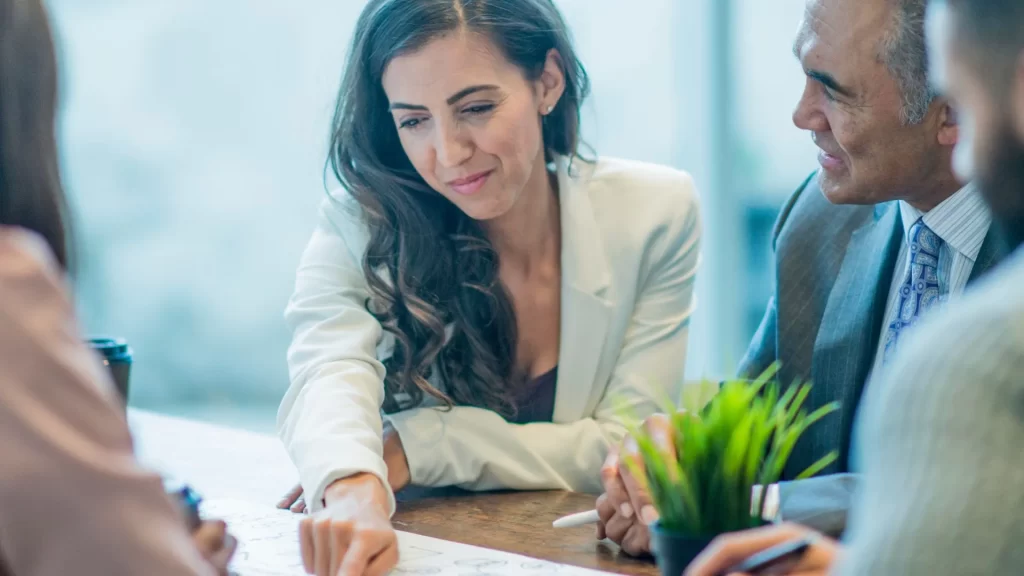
{"x": 807, "y": 210}
{"x": 799, "y": 196}
{"x": 632, "y": 181}
{"x": 645, "y": 196}
{"x": 340, "y": 206}
{"x": 37, "y": 320}
{"x": 644, "y": 213}
{"x": 341, "y": 218}
{"x": 29, "y": 273}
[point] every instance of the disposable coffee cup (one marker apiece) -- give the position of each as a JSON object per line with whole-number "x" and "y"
{"x": 117, "y": 357}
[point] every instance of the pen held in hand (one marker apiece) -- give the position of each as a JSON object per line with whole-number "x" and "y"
{"x": 574, "y": 520}
{"x": 778, "y": 559}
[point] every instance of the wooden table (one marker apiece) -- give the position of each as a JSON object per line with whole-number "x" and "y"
{"x": 227, "y": 463}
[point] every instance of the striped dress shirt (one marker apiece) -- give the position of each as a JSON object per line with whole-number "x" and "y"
{"x": 962, "y": 222}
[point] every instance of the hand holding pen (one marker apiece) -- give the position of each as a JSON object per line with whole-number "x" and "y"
{"x": 211, "y": 537}
{"x": 772, "y": 550}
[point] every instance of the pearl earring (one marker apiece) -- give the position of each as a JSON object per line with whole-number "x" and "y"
{"x": 550, "y": 108}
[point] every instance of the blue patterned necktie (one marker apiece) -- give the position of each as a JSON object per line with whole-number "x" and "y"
{"x": 920, "y": 289}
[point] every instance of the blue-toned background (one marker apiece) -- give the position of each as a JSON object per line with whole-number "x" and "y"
{"x": 194, "y": 140}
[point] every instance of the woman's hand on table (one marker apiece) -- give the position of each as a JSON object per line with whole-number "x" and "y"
{"x": 352, "y": 535}
{"x": 294, "y": 500}
{"x": 394, "y": 458}
{"x": 215, "y": 544}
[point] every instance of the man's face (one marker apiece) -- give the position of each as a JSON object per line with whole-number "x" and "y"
{"x": 992, "y": 149}
{"x": 852, "y": 106}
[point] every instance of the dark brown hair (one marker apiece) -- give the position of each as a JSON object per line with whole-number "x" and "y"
{"x": 429, "y": 266}
{"x": 31, "y": 196}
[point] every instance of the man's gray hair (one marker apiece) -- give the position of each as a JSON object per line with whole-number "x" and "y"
{"x": 905, "y": 53}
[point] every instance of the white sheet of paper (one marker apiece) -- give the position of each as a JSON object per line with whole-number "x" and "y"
{"x": 269, "y": 546}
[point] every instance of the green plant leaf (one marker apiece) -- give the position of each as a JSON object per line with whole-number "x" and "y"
{"x": 798, "y": 402}
{"x": 743, "y": 437}
{"x": 818, "y": 466}
{"x": 820, "y": 413}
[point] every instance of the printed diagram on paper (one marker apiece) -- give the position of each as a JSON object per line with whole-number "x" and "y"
{"x": 269, "y": 546}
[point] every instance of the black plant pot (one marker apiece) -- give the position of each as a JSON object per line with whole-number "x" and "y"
{"x": 674, "y": 550}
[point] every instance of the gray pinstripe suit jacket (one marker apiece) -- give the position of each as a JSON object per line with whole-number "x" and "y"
{"x": 833, "y": 269}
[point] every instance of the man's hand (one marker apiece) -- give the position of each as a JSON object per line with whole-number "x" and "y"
{"x": 625, "y": 508}
{"x": 630, "y": 534}
{"x": 731, "y": 549}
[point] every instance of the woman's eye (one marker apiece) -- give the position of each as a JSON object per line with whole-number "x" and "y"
{"x": 410, "y": 123}
{"x": 479, "y": 109}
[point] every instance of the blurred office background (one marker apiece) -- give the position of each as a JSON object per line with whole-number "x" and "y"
{"x": 194, "y": 140}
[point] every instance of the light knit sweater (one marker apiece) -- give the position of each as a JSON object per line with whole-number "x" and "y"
{"x": 941, "y": 444}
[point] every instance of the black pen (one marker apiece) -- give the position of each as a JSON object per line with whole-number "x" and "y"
{"x": 788, "y": 553}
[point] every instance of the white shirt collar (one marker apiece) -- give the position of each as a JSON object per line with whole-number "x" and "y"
{"x": 962, "y": 221}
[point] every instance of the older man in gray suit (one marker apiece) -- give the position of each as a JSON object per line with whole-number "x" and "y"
{"x": 883, "y": 233}
{"x": 942, "y": 427}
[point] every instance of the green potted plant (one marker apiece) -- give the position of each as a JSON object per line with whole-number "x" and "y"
{"x": 742, "y": 438}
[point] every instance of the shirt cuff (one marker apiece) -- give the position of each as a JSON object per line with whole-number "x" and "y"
{"x": 321, "y": 479}
{"x": 771, "y": 505}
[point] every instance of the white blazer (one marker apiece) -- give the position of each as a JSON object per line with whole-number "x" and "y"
{"x": 630, "y": 251}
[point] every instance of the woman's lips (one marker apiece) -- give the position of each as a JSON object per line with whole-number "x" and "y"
{"x": 470, "y": 184}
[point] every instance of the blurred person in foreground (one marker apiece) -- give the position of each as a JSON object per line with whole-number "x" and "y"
{"x": 942, "y": 427}
{"x": 73, "y": 500}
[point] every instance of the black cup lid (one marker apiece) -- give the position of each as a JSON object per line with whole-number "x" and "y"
{"x": 109, "y": 346}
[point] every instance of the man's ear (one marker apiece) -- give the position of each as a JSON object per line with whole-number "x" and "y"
{"x": 949, "y": 125}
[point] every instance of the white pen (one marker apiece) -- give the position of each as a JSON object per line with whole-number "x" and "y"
{"x": 771, "y": 510}
{"x": 574, "y": 520}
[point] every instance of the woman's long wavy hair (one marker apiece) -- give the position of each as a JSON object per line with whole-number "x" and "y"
{"x": 432, "y": 272}
{"x": 31, "y": 195}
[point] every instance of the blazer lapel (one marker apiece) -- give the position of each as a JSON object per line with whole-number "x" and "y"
{"x": 586, "y": 312}
{"x": 850, "y": 329}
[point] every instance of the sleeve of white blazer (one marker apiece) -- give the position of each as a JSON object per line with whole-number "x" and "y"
{"x": 477, "y": 449}
{"x": 330, "y": 418}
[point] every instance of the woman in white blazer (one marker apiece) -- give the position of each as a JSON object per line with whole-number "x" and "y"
{"x": 503, "y": 301}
